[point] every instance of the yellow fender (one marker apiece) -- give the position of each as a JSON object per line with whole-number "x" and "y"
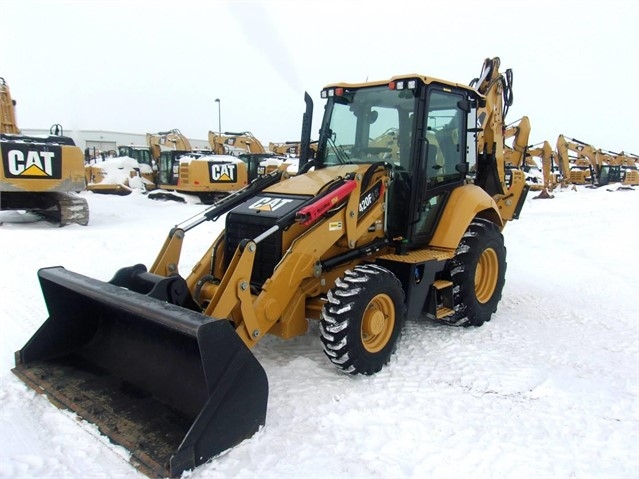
{"x": 465, "y": 204}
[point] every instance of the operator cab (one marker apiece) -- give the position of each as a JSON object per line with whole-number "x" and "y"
{"x": 417, "y": 127}
{"x": 169, "y": 166}
{"x": 141, "y": 154}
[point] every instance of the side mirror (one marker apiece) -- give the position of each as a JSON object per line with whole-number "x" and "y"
{"x": 462, "y": 168}
{"x": 464, "y": 105}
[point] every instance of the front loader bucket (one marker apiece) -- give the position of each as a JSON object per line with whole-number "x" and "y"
{"x": 171, "y": 385}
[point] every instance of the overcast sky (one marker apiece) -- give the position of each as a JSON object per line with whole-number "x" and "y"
{"x": 142, "y": 66}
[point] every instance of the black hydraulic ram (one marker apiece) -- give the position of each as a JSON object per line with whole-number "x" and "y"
{"x": 173, "y": 386}
{"x": 228, "y": 203}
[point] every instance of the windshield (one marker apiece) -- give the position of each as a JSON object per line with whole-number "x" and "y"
{"x": 370, "y": 124}
{"x": 144, "y": 156}
{"x": 140, "y": 155}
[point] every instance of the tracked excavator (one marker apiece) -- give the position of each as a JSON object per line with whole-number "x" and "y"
{"x": 594, "y": 167}
{"x": 185, "y": 171}
{"x": 515, "y": 153}
{"x": 291, "y": 149}
{"x": 630, "y": 166}
{"x": 162, "y": 362}
{"x": 40, "y": 174}
{"x": 608, "y": 168}
{"x": 584, "y": 161}
{"x": 245, "y": 146}
{"x": 550, "y": 178}
{"x": 230, "y": 143}
{"x": 617, "y": 168}
{"x": 629, "y": 160}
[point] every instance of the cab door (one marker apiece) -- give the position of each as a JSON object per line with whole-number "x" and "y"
{"x": 441, "y": 153}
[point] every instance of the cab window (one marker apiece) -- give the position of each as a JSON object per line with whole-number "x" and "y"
{"x": 443, "y": 132}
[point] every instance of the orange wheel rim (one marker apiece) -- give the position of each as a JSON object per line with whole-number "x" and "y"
{"x": 486, "y": 275}
{"x": 378, "y": 323}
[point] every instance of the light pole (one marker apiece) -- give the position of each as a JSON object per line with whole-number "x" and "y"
{"x": 219, "y": 115}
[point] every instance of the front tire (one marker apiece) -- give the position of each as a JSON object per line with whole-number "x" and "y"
{"x": 478, "y": 273}
{"x": 362, "y": 321}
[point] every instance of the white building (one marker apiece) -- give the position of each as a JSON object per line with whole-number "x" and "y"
{"x": 103, "y": 141}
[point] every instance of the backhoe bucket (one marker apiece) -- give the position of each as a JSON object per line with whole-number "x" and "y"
{"x": 171, "y": 385}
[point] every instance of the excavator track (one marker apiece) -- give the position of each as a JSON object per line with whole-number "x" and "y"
{"x": 58, "y": 208}
{"x": 71, "y": 209}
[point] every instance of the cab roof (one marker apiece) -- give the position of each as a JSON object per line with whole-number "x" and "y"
{"x": 411, "y": 76}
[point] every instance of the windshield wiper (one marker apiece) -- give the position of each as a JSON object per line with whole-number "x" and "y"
{"x": 341, "y": 155}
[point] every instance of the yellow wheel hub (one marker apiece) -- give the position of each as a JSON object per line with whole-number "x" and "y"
{"x": 378, "y": 323}
{"x": 486, "y": 275}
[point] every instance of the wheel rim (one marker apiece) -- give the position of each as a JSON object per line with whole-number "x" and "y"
{"x": 378, "y": 323}
{"x": 486, "y": 275}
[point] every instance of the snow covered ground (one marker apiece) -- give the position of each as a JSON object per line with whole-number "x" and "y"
{"x": 548, "y": 388}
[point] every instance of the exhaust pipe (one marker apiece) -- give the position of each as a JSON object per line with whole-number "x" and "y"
{"x": 173, "y": 386}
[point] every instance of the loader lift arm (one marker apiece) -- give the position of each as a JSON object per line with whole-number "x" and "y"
{"x": 8, "y": 123}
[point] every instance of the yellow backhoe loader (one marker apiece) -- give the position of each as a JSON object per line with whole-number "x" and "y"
{"x": 40, "y": 174}
{"x": 161, "y": 362}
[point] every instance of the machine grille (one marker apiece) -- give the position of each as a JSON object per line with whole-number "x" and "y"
{"x": 269, "y": 251}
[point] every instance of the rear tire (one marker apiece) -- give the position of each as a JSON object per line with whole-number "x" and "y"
{"x": 362, "y": 321}
{"x": 478, "y": 273}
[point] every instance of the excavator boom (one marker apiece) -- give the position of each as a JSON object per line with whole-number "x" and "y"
{"x": 8, "y": 123}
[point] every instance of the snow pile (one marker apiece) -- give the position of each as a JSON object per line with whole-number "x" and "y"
{"x": 549, "y": 388}
{"x": 277, "y": 161}
{"x": 124, "y": 171}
